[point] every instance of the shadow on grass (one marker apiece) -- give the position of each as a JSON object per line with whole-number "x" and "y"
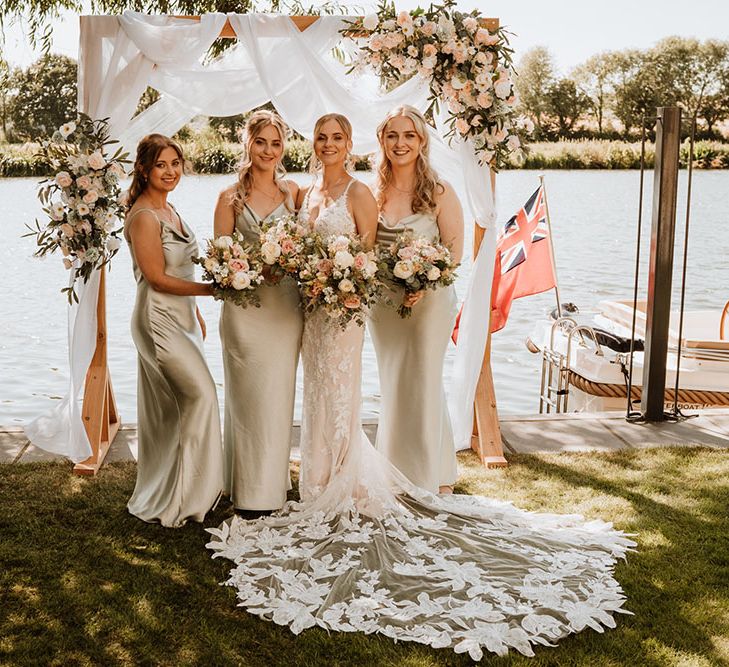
{"x": 83, "y": 582}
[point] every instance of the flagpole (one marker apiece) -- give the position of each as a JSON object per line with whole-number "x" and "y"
{"x": 551, "y": 246}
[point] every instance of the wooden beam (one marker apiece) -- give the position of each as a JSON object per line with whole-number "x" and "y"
{"x": 486, "y": 436}
{"x": 99, "y": 413}
{"x": 303, "y": 22}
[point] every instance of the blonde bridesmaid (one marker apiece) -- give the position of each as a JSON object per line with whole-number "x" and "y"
{"x": 260, "y": 345}
{"x": 179, "y": 469}
{"x": 414, "y": 429}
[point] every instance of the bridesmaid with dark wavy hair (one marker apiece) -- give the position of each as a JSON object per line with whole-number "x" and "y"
{"x": 180, "y": 464}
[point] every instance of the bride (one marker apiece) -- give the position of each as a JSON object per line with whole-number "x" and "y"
{"x": 367, "y": 551}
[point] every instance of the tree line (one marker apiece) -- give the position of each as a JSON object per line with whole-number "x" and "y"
{"x": 607, "y": 96}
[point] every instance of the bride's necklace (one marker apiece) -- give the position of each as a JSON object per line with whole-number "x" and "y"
{"x": 329, "y": 189}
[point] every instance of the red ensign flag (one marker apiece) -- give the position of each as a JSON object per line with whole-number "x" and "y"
{"x": 523, "y": 259}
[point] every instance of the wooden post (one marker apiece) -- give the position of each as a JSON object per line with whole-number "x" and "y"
{"x": 100, "y": 416}
{"x": 486, "y": 436}
{"x": 660, "y": 273}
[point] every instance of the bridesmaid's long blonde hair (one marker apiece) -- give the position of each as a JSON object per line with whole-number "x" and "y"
{"x": 314, "y": 163}
{"x": 255, "y": 124}
{"x": 427, "y": 183}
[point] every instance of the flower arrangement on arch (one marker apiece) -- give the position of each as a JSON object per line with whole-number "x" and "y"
{"x": 81, "y": 200}
{"x": 466, "y": 65}
{"x": 414, "y": 264}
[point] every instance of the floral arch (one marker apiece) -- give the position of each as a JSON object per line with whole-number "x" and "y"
{"x": 462, "y": 77}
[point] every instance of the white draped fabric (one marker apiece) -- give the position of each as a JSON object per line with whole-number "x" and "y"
{"x": 120, "y": 56}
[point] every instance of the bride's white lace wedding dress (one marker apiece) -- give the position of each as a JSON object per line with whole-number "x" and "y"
{"x": 367, "y": 551}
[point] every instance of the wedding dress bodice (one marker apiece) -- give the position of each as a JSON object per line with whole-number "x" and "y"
{"x": 332, "y": 220}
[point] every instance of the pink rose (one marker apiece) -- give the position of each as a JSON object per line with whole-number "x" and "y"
{"x": 325, "y": 266}
{"x": 406, "y": 253}
{"x": 429, "y": 51}
{"x": 462, "y": 126}
{"x": 376, "y": 43}
{"x": 352, "y": 301}
{"x": 360, "y": 261}
{"x": 288, "y": 246}
{"x": 63, "y": 179}
{"x": 428, "y": 28}
{"x": 84, "y": 182}
{"x": 481, "y": 36}
{"x": 237, "y": 265}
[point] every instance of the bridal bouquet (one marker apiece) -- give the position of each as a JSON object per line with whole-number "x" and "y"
{"x": 283, "y": 241}
{"x": 338, "y": 275}
{"x": 234, "y": 268}
{"x": 416, "y": 264}
{"x": 81, "y": 200}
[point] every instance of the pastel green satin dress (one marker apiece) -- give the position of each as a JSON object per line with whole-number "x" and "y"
{"x": 414, "y": 429}
{"x": 179, "y": 465}
{"x": 260, "y": 356}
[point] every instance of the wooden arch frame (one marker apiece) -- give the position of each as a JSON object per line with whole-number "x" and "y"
{"x": 100, "y": 415}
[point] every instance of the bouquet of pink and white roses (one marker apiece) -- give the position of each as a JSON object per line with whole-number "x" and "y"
{"x": 416, "y": 264}
{"x": 338, "y": 275}
{"x": 81, "y": 200}
{"x": 283, "y": 242}
{"x": 234, "y": 268}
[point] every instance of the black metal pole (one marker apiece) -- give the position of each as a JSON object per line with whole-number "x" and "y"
{"x": 660, "y": 273}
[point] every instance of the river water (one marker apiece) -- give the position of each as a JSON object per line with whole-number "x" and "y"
{"x": 593, "y": 215}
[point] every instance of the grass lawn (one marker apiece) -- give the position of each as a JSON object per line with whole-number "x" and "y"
{"x": 84, "y": 583}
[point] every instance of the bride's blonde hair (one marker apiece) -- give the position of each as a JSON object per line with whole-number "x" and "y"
{"x": 314, "y": 162}
{"x": 426, "y": 180}
{"x": 255, "y": 124}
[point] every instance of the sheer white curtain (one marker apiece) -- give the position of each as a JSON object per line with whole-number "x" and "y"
{"x": 121, "y": 56}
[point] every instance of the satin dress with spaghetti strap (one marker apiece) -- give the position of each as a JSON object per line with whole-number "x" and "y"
{"x": 414, "y": 429}
{"x": 180, "y": 461}
{"x": 260, "y": 356}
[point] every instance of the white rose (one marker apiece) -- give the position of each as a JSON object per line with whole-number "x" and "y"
{"x": 346, "y": 285}
{"x": 241, "y": 280}
{"x": 513, "y": 142}
{"x": 370, "y": 270}
{"x": 96, "y": 160}
{"x": 343, "y": 259}
{"x": 339, "y": 243}
{"x": 223, "y": 242}
{"x": 66, "y": 129}
{"x": 210, "y": 265}
{"x": 270, "y": 251}
{"x": 434, "y": 273}
{"x": 113, "y": 244}
{"x": 370, "y": 22}
{"x": 57, "y": 211}
{"x": 403, "y": 269}
{"x": 502, "y": 88}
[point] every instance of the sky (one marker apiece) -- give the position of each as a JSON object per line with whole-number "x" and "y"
{"x": 571, "y": 30}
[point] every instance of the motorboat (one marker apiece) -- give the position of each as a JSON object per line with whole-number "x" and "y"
{"x": 586, "y": 358}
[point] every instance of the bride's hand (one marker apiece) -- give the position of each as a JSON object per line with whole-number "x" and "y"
{"x": 409, "y": 300}
{"x": 201, "y": 321}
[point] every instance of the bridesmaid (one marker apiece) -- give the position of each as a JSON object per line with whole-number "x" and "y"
{"x": 260, "y": 345}
{"x": 414, "y": 429}
{"x": 179, "y": 470}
